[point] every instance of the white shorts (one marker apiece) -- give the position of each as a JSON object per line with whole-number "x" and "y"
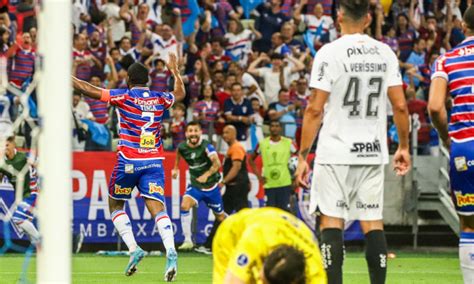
{"x": 350, "y": 192}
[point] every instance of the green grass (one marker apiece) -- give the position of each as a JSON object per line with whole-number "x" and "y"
{"x": 196, "y": 268}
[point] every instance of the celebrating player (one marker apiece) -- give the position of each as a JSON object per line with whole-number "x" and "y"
{"x": 454, "y": 73}
{"x": 140, "y": 154}
{"x": 351, "y": 78}
{"x": 204, "y": 167}
{"x": 14, "y": 164}
{"x": 268, "y": 245}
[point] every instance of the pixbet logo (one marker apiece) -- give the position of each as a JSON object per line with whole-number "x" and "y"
{"x": 466, "y": 51}
{"x": 362, "y": 51}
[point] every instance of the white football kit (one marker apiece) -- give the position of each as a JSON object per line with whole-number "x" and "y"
{"x": 348, "y": 176}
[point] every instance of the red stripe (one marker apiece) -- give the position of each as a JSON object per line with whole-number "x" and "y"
{"x": 462, "y": 82}
{"x": 463, "y": 134}
{"x": 459, "y": 65}
{"x": 464, "y": 99}
{"x": 116, "y": 216}
{"x": 162, "y": 217}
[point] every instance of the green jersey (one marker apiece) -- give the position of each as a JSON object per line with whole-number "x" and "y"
{"x": 12, "y": 167}
{"x": 275, "y": 156}
{"x": 199, "y": 162}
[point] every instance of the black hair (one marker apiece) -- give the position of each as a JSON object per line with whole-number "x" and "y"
{"x": 113, "y": 49}
{"x": 275, "y": 121}
{"x": 236, "y": 84}
{"x": 137, "y": 74}
{"x": 469, "y": 18}
{"x": 192, "y": 123}
{"x": 276, "y": 56}
{"x": 355, "y": 9}
{"x": 285, "y": 265}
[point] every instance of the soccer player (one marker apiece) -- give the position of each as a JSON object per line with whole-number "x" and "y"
{"x": 204, "y": 167}
{"x": 140, "y": 154}
{"x": 453, "y": 73}
{"x": 276, "y": 151}
{"x": 351, "y": 79}
{"x": 14, "y": 164}
{"x": 266, "y": 245}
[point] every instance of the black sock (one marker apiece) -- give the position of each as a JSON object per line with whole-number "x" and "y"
{"x": 210, "y": 238}
{"x": 376, "y": 255}
{"x": 332, "y": 250}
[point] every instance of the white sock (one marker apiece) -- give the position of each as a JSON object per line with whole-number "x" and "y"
{"x": 186, "y": 220}
{"x": 166, "y": 230}
{"x": 466, "y": 250}
{"x": 124, "y": 228}
{"x": 29, "y": 228}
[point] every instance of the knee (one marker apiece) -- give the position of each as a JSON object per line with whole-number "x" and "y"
{"x": 185, "y": 207}
{"x": 467, "y": 223}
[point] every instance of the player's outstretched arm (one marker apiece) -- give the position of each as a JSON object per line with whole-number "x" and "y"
{"x": 401, "y": 158}
{"x": 86, "y": 88}
{"x": 437, "y": 108}
{"x": 311, "y": 123}
{"x": 178, "y": 91}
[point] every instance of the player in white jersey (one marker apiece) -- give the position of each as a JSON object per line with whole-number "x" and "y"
{"x": 6, "y": 125}
{"x": 352, "y": 78}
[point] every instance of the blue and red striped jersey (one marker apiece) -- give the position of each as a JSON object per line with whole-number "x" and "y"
{"x": 99, "y": 109}
{"x": 159, "y": 80}
{"x": 23, "y": 66}
{"x": 140, "y": 113}
{"x": 457, "y": 67}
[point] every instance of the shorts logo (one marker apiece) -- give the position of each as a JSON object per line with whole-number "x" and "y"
{"x": 129, "y": 168}
{"x": 460, "y": 164}
{"x": 366, "y": 206}
{"x": 124, "y": 191}
{"x": 155, "y": 189}
{"x": 242, "y": 260}
{"x": 342, "y": 204}
{"x": 464, "y": 199}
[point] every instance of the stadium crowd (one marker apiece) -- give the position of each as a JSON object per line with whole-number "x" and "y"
{"x": 242, "y": 65}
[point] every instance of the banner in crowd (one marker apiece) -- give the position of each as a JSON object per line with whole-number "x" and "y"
{"x": 90, "y": 175}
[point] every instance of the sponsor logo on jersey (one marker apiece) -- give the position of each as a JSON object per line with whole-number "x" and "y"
{"x": 365, "y": 206}
{"x": 129, "y": 168}
{"x": 461, "y": 164}
{"x": 144, "y": 151}
{"x": 366, "y": 147}
{"x": 242, "y": 260}
{"x": 464, "y": 199}
{"x": 466, "y": 51}
{"x": 362, "y": 50}
{"x": 117, "y": 98}
{"x": 149, "y": 102}
{"x": 154, "y": 188}
{"x": 122, "y": 190}
{"x": 193, "y": 156}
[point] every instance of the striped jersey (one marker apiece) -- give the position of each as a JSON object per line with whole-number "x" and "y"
{"x": 23, "y": 66}
{"x": 99, "y": 109}
{"x": 159, "y": 80}
{"x": 83, "y": 70}
{"x": 457, "y": 67}
{"x": 140, "y": 113}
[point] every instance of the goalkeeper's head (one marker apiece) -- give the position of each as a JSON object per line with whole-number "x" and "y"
{"x": 284, "y": 265}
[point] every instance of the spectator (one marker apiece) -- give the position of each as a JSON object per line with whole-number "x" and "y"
{"x": 83, "y": 60}
{"x": 222, "y": 11}
{"x": 256, "y": 128}
{"x": 198, "y": 78}
{"x": 288, "y": 34}
{"x": 276, "y": 73}
{"x": 238, "y": 112}
{"x": 275, "y": 175}
{"x": 419, "y": 107}
{"x": 99, "y": 109}
{"x": 406, "y": 36}
{"x": 80, "y": 17}
{"x": 249, "y": 84}
{"x": 279, "y": 46}
{"x": 414, "y": 61}
{"x": 236, "y": 177}
{"x": 80, "y": 110}
{"x": 6, "y": 110}
{"x": 23, "y": 63}
{"x": 207, "y": 111}
{"x": 116, "y": 16}
{"x": 320, "y": 25}
{"x": 99, "y": 50}
{"x": 285, "y": 112}
{"x": 270, "y": 21}
{"x": 239, "y": 41}
{"x": 159, "y": 75}
{"x": 165, "y": 42}
{"x": 218, "y": 53}
{"x": 178, "y": 124}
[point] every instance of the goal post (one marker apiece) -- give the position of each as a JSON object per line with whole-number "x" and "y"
{"x": 54, "y": 94}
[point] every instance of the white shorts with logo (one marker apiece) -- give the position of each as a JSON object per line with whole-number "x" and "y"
{"x": 350, "y": 192}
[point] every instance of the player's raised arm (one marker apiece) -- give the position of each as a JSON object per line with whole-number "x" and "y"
{"x": 86, "y": 88}
{"x": 178, "y": 91}
{"x": 401, "y": 158}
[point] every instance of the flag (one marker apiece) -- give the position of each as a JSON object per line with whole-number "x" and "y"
{"x": 188, "y": 25}
{"x": 249, "y": 6}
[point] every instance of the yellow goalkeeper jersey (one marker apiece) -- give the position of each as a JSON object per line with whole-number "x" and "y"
{"x": 245, "y": 239}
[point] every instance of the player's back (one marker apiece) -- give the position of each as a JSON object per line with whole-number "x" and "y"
{"x": 457, "y": 67}
{"x": 356, "y": 70}
{"x": 140, "y": 114}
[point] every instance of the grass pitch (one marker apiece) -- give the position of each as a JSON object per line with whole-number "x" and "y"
{"x": 197, "y": 268}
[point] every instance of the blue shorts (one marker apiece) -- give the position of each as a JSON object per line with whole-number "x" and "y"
{"x": 462, "y": 177}
{"x": 212, "y": 198}
{"x": 24, "y": 211}
{"x": 147, "y": 175}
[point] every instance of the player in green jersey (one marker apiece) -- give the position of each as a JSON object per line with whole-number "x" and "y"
{"x": 204, "y": 165}
{"x": 13, "y": 167}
